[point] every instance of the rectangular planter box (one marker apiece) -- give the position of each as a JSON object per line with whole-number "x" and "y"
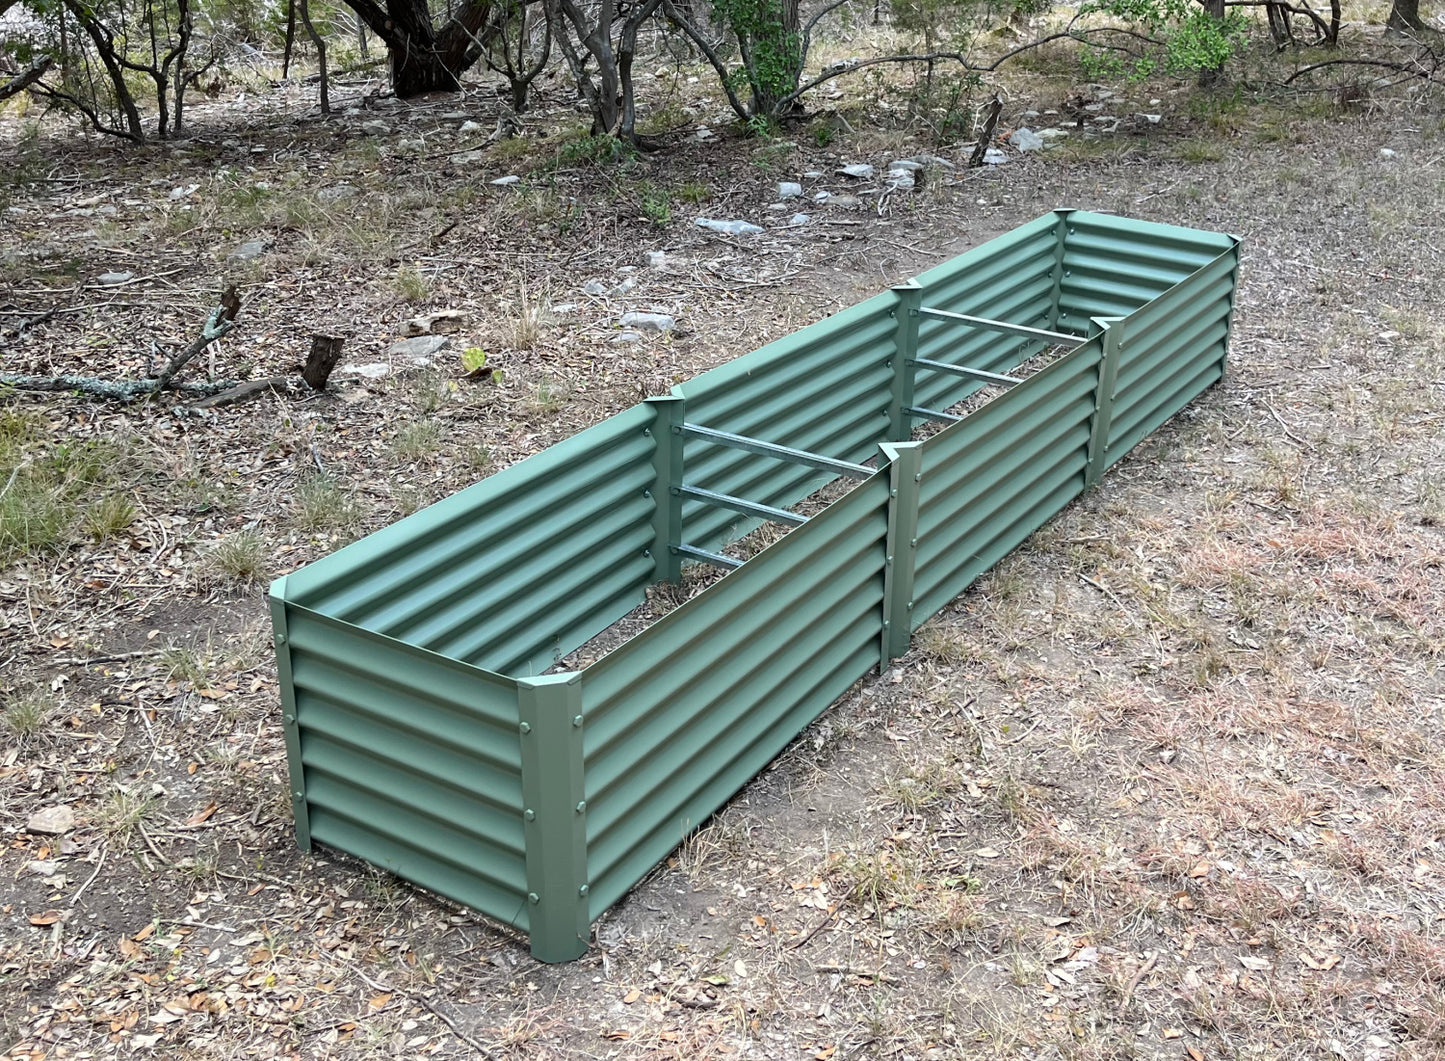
{"x": 423, "y": 734}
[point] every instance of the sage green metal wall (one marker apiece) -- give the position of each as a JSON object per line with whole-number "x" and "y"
{"x": 516, "y": 570}
{"x": 680, "y": 718}
{"x": 404, "y": 758}
{"x": 419, "y": 735}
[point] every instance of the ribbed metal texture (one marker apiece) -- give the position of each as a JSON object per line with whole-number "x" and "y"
{"x": 411, "y": 761}
{"x": 516, "y": 570}
{"x": 992, "y": 480}
{"x": 683, "y": 716}
{"x": 421, "y": 733}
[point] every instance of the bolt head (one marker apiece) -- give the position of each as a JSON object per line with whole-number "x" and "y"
{"x": 530, "y": 814}
{"x": 525, "y": 727}
{"x": 577, "y": 721}
{"x": 582, "y": 891}
{"x": 582, "y": 807}
{"x": 533, "y": 898}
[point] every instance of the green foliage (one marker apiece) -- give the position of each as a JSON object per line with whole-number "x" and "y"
{"x": 770, "y": 49}
{"x": 1192, "y": 40}
{"x": 473, "y": 359}
{"x": 655, "y": 204}
{"x": 596, "y": 150}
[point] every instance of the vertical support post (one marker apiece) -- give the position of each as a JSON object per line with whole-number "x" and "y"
{"x": 1112, "y": 339}
{"x": 1229, "y": 319}
{"x": 554, "y": 812}
{"x": 667, "y": 486}
{"x": 1061, "y": 236}
{"x": 289, "y": 724}
{"x": 905, "y": 350}
{"x": 905, "y": 471}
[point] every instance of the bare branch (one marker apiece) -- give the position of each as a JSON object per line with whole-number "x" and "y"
{"x": 20, "y": 82}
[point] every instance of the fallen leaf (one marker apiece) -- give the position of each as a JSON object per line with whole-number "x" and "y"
{"x": 212, "y": 694}
{"x": 1194, "y": 1055}
{"x": 986, "y": 852}
{"x": 47, "y": 917}
{"x": 631, "y": 997}
{"x": 378, "y": 1001}
{"x": 1172, "y": 1033}
{"x": 202, "y": 815}
{"x": 1258, "y": 965}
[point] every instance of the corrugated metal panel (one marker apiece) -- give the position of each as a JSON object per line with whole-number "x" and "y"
{"x": 410, "y": 761}
{"x": 1114, "y": 265}
{"x": 1173, "y": 350}
{"x": 681, "y": 717}
{"x": 1010, "y": 279}
{"x": 993, "y": 479}
{"x": 515, "y": 570}
{"x": 823, "y": 389}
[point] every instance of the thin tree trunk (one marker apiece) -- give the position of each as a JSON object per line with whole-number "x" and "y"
{"x": 290, "y": 38}
{"x": 1405, "y": 15}
{"x": 320, "y": 55}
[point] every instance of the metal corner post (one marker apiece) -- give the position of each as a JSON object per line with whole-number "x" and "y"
{"x": 554, "y": 815}
{"x": 905, "y": 350}
{"x": 667, "y": 486}
{"x": 1229, "y": 317}
{"x": 1113, "y": 341}
{"x": 905, "y": 470}
{"x": 289, "y": 725}
{"x": 1061, "y": 238}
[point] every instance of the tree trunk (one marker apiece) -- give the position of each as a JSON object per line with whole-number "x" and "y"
{"x": 317, "y": 40}
{"x": 1211, "y": 76}
{"x": 423, "y": 58}
{"x": 1405, "y": 15}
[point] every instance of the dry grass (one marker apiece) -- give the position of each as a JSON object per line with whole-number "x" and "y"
{"x": 1189, "y": 807}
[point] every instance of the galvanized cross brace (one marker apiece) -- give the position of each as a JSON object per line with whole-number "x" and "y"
{"x": 989, "y": 324}
{"x": 932, "y": 414}
{"x": 769, "y": 449}
{"x": 727, "y": 563}
{"x": 962, "y": 370}
{"x": 746, "y": 507}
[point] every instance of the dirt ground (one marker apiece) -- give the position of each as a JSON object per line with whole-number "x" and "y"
{"x": 1168, "y": 783}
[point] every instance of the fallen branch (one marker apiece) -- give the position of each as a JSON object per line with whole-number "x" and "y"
{"x": 20, "y": 82}
{"x": 220, "y": 321}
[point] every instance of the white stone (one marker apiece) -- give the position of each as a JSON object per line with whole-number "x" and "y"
{"x": 789, "y": 190}
{"x": 51, "y": 821}
{"x": 1387, "y": 152}
{"x": 507, "y": 181}
{"x": 1026, "y": 139}
{"x": 798, "y": 220}
{"x": 657, "y": 259}
{"x": 183, "y": 192}
{"x": 470, "y": 127}
{"x": 248, "y": 251}
{"x": 912, "y": 165}
{"x": 419, "y": 347}
{"x": 857, "y": 170}
{"x": 336, "y": 193}
{"x": 728, "y": 228}
{"x": 648, "y": 322}
{"x": 994, "y": 157}
{"x": 115, "y": 277}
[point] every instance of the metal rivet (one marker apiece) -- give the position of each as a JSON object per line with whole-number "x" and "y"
{"x": 298, "y": 794}
{"x": 918, "y": 478}
{"x": 530, "y": 814}
{"x": 886, "y": 624}
{"x": 647, "y": 493}
{"x": 647, "y": 432}
{"x": 582, "y": 807}
{"x": 290, "y": 719}
{"x": 889, "y": 560}
{"x": 280, "y": 639}
{"x": 577, "y": 720}
{"x": 892, "y": 493}
{"x": 582, "y": 891}
{"x": 533, "y": 898}
{"x": 1068, "y": 272}
{"x": 913, "y": 542}
{"x": 910, "y": 605}
{"x": 525, "y": 727}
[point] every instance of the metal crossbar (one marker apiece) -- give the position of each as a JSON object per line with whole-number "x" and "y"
{"x": 746, "y": 507}
{"x": 998, "y": 326}
{"x": 727, "y": 563}
{"x": 769, "y": 449}
{"x": 932, "y": 414}
{"x": 962, "y": 370}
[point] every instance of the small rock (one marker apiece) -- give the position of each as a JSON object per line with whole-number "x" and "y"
{"x": 183, "y": 192}
{"x": 933, "y": 160}
{"x": 42, "y": 867}
{"x": 594, "y": 287}
{"x": 776, "y": 208}
{"x": 1053, "y": 134}
{"x": 657, "y": 259}
{"x": 1031, "y": 114}
{"x": 336, "y": 193}
{"x": 1093, "y": 108}
{"x": 627, "y": 337}
{"x": 564, "y": 308}
{"x": 441, "y": 322}
{"x": 789, "y": 190}
{"x": 912, "y": 165}
{"x": 411, "y": 144}
{"x": 375, "y": 128}
{"x": 1152, "y": 119}
{"x": 419, "y": 347}
{"x": 704, "y": 134}
{"x": 843, "y": 202}
{"x": 900, "y": 180}
{"x": 1026, "y": 139}
{"x": 470, "y": 127}
{"x": 1387, "y": 152}
{"x": 371, "y": 370}
{"x": 660, "y": 323}
{"x": 812, "y": 174}
{"x": 466, "y": 158}
{"x": 452, "y": 116}
{"x": 798, "y": 220}
{"x": 994, "y": 157}
{"x": 51, "y": 821}
{"x": 857, "y": 170}
{"x": 248, "y": 251}
{"x": 728, "y": 228}
{"x": 106, "y": 211}
{"x": 1155, "y": 102}
{"x": 624, "y": 287}
{"x": 115, "y": 277}
{"x": 507, "y": 181}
